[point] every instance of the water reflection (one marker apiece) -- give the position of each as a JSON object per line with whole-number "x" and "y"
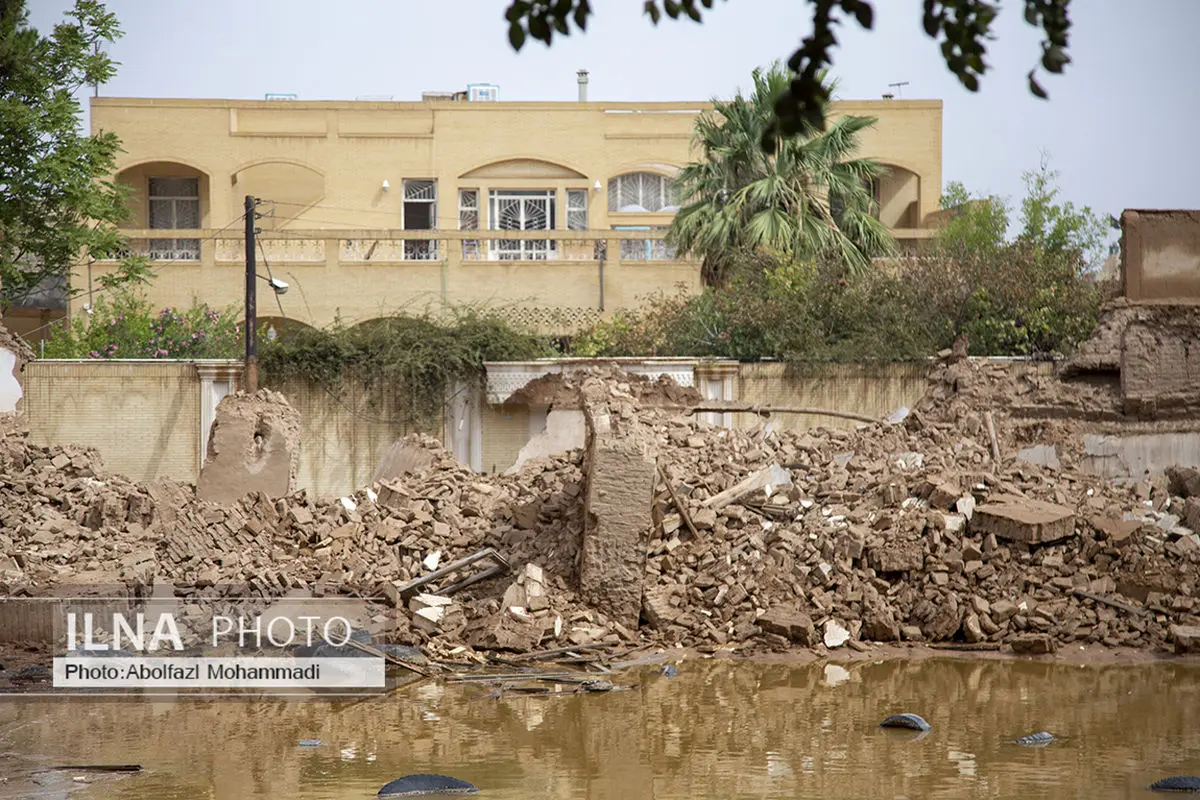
{"x": 717, "y": 730}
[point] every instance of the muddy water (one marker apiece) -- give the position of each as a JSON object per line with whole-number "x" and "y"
{"x": 717, "y": 730}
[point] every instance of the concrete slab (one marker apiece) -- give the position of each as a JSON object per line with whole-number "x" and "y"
{"x": 1043, "y": 455}
{"x": 1186, "y": 638}
{"x": 1020, "y": 519}
{"x": 1125, "y": 458}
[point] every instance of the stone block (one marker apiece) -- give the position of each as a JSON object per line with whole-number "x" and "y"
{"x": 1034, "y": 644}
{"x": 790, "y": 623}
{"x": 1020, "y": 519}
{"x": 657, "y": 609}
{"x": 897, "y": 557}
{"x": 1186, "y": 639}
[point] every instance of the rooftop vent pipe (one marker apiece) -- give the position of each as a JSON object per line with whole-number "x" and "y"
{"x": 583, "y": 82}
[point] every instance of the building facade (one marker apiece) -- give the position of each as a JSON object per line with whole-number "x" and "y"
{"x": 552, "y": 211}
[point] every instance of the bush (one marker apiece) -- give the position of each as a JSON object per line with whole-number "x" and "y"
{"x": 1013, "y": 301}
{"x": 126, "y": 325}
{"x": 1032, "y": 296}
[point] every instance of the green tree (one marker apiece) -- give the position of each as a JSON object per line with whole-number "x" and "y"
{"x": 976, "y": 224}
{"x": 1059, "y": 227}
{"x": 962, "y": 28}
{"x": 1028, "y": 294}
{"x": 1048, "y": 224}
{"x": 807, "y": 198}
{"x": 56, "y": 200}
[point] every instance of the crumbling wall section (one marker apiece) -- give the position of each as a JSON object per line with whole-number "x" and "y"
{"x": 1102, "y": 351}
{"x": 1161, "y": 255}
{"x": 14, "y": 354}
{"x": 254, "y": 447}
{"x": 620, "y": 473}
{"x": 1160, "y": 362}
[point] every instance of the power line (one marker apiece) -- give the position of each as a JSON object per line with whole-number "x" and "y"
{"x": 407, "y": 421}
{"x": 267, "y": 264}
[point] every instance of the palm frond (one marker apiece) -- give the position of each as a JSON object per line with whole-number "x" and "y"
{"x": 738, "y": 197}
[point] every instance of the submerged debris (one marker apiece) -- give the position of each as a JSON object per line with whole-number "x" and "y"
{"x": 426, "y": 784}
{"x": 1039, "y": 738}
{"x": 910, "y": 721}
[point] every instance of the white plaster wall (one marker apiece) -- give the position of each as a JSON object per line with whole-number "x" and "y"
{"x": 10, "y": 388}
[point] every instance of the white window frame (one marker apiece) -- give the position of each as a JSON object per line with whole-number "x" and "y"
{"x": 577, "y": 209}
{"x": 522, "y": 249}
{"x": 172, "y": 249}
{"x": 468, "y": 220}
{"x": 419, "y": 249}
{"x": 645, "y": 249}
{"x": 655, "y": 193}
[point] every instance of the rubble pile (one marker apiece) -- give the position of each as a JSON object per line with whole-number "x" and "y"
{"x": 758, "y": 539}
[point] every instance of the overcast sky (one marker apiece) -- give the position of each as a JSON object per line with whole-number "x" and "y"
{"x": 1121, "y": 125}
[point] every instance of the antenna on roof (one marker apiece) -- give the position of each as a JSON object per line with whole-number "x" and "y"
{"x": 897, "y": 86}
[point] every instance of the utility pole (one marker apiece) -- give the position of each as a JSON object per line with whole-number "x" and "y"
{"x": 251, "y": 299}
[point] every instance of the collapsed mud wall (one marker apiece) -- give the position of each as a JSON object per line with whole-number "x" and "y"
{"x": 254, "y": 446}
{"x": 761, "y": 540}
{"x": 619, "y": 472}
{"x": 1147, "y": 345}
{"x": 1161, "y": 255}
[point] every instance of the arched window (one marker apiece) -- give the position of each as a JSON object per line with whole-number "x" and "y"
{"x": 640, "y": 192}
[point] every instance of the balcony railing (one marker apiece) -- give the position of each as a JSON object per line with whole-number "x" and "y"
{"x": 556, "y": 281}
{"x": 387, "y": 246}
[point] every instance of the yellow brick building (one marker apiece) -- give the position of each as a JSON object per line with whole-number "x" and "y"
{"x": 369, "y": 207}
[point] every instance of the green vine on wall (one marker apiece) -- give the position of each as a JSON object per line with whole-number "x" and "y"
{"x": 419, "y": 356}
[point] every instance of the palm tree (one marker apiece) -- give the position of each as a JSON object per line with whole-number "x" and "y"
{"x": 808, "y": 199}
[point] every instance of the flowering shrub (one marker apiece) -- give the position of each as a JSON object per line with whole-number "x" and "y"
{"x": 127, "y": 326}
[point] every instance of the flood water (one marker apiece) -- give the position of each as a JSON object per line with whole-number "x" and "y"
{"x": 716, "y": 730}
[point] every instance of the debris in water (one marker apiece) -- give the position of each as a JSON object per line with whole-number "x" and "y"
{"x": 1035, "y": 739}
{"x": 414, "y": 785}
{"x": 910, "y": 721}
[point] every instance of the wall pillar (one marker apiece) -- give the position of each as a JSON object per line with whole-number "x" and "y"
{"x": 716, "y": 382}
{"x": 217, "y": 380}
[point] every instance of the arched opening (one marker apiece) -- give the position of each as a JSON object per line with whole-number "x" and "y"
{"x": 167, "y": 195}
{"x": 522, "y": 168}
{"x": 286, "y": 189}
{"x": 274, "y": 328}
{"x": 641, "y": 192}
{"x": 898, "y": 194}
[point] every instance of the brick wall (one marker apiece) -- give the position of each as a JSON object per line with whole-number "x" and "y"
{"x": 874, "y": 390}
{"x": 505, "y": 432}
{"x": 142, "y": 416}
{"x": 343, "y": 438}
{"x": 1160, "y": 362}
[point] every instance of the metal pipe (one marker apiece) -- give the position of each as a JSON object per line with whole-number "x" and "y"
{"x": 251, "y": 301}
{"x": 583, "y": 83}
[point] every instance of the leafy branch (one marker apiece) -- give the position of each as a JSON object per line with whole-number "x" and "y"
{"x": 961, "y": 28}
